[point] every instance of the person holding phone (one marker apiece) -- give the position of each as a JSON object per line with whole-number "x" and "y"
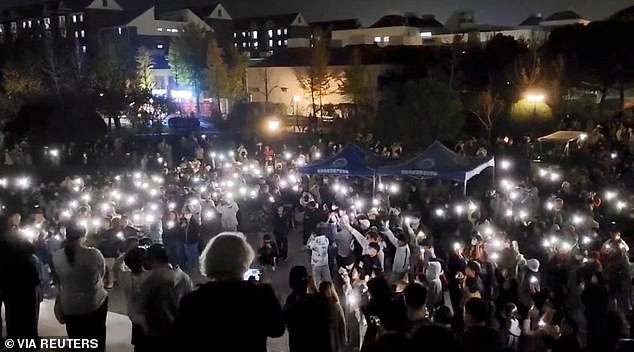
{"x": 228, "y": 310}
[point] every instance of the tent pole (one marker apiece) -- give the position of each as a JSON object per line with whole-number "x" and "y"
{"x": 373, "y": 186}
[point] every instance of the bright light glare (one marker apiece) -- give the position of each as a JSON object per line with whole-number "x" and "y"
{"x": 535, "y": 98}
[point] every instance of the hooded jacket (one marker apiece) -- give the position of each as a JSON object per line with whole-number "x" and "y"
{"x": 434, "y": 284}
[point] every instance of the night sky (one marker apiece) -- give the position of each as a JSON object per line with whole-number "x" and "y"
{"x": 504, "y": 12}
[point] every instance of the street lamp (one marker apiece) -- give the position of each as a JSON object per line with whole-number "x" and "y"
{"x": 534, "y": 98}
{"x": 273, "y": 125}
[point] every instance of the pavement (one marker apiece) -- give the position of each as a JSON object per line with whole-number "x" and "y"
{"x": 119, "y": 327}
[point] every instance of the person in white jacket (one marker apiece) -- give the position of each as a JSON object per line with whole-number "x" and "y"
{"x": 363, "y": 240}
{"x": 318, "y": 244}
{"x": 401, "y": 264}
{"x": 228, "y": 210}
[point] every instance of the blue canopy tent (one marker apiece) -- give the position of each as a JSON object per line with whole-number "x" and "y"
{"x": 438, "y": 161}
{"x": 352, "y": 160}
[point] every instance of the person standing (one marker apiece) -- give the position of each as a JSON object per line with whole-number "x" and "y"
{"x": 191, "y": 227}
{"x": 338, "y": 338}
{"x": 160, "y": 296}
{"x": 228, "y": 210}
{"x": 221, "y": 310}
{"x": 82, "y": 297}
{"x": 174, "y": 240}
{"x": 280, "y": 231}
{"x": 306, "y": 315}
{"x": 318, "y": 244}
{"x": 19, "y": 280}
{"x": 130, "y": 282}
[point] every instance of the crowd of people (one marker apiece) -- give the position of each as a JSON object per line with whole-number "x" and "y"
{"x": 538, "y": 262}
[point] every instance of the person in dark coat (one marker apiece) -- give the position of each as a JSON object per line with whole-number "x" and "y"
{"x": 307, "y": 316}
{"x": 280, "y": 231}
{"x": 478, "y": 337}
{"x": 227, "y": 311}
{"x": 19, "y": 281}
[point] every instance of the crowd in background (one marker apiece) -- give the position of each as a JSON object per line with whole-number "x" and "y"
{"x": 540, "y": 261}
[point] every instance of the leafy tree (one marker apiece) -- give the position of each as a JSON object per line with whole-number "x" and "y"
{"x": 188, "y": 58}
{"x": 316, "y": 80}
{"x": 144, "y": 65}
{"x": 487, "y": 107}
{"x": 19, "y": 85}
{"x": 226, "y": 73}
{"x": 113, "y": 75}
{"x": 355, "y": 84}
{"x": 419, "y": 112}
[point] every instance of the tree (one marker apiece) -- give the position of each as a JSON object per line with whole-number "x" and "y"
{"x": 316, "y": 79}
{"x": 419, "y": 112}
{"x": 144, "y": 65}
{"x": 188, "y": 58}
{"x": 226, "y": 73}
{"x": 355, "y": 84}
{"x": 54, "y": 66}
{"x": 20, "y": 86}
{"x": 487, "y": 107}
{"x": 79, "y": 76}
{"x": 113, "y": 75}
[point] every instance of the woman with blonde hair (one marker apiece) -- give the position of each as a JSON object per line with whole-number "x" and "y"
{"x": 338, "y": 338}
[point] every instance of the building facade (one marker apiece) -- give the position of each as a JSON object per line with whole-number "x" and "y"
{"x": 71, "y": 22}
{"x": 262, "y": 36}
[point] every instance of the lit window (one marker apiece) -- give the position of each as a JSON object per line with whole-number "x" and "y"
{"x": 81, "y": 17}
{"x": 83, "y": 33}
{"x": 279, "y": 43}
{"x": 255, "y": 44}
{"x": 285, "y": 31}
{"x": 23, "y": 24}
{"x": 254, "y": 34}
{"x": 235, "y": 35}
{"x": 285, "y": 42}
{"x": 279, "y": 31}
{"x": 270, "y": 43}
{"x": 29, "y": 23}
{"x": 159, "y": 46}
{"x": 174, "y": 30}
{"x": 235, "y": 45}
{"x": 83, "y": 49}
{"x": 62, "y": 21}
{"x": 119, "y": 30}
{"x": 386, "y": 39}
{"x": 159, "y": 29}
{"x": 244, "y": 34}
{"x": 244, "y": 44}
{"x": 76, "y": 34}
{"x": 1, "y": 29}
{"x": 270, "y": 33}
{"x": 14, "y": 27}
{"x": 425, "y": 34}
{"x": 47, "y": 23}
{"x": 377, "y": 39}
{"x": 74, "y": 18}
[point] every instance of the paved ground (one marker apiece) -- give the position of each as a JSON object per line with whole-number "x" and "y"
{"x": 118, "y": 325}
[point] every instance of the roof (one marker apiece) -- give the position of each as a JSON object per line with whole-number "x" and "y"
{"x": 532, "y": 20}
{"x": 337, "y": 25}
{"x": 278, "y": 20}
{"x": 561, "y": 136}
{"x": 626, "y": 14}
{"x": 394, "y": 20}
{"x": 202, "y": 11}
{"x": 564, "y": 15}
{"x": 370, "y": 55}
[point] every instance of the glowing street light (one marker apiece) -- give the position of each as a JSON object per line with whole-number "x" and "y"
{"x": 535, "y": 98}
{"x": 273, "y": 125}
